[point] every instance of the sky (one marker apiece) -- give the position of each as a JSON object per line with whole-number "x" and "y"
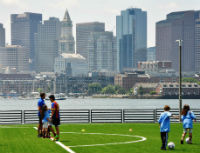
{"x": 95, "y": 10}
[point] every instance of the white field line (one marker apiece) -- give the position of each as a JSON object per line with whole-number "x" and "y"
{"x": 60, "y": 144}
{"x": 35, "y": 128}
{"x": 105, "y": 144}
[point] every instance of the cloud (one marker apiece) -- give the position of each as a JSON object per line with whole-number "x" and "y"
{"x": 63, "y": 4}
{"x": 112, "y": 11}
{"x": 170, "y": 6}
{"x": 16, "y": 3}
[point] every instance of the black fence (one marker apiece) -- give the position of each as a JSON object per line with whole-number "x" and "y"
{"x": 91, "y": 116}
{"x": 11, "y": 117}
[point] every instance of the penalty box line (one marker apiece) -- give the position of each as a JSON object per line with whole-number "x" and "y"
{"x": 60, "y": 144}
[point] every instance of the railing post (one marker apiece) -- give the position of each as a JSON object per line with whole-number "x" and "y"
{"x": 90, "y": 115}
{"x": 22, "y": 117}
{"x": 122, "y": 115}
{"x": 155, "y": 115}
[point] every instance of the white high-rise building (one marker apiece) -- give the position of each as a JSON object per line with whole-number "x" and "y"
{"x": 66, "y": 42}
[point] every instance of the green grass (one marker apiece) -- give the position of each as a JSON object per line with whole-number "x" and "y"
{"x": 24, "y": 140}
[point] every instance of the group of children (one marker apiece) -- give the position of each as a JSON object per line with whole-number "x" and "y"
{"x": 46, "y": 120}
{"x": 187, "y": 118}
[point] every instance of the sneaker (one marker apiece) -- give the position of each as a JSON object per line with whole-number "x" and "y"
{"x": 163, "y": 148}
{"x": 190, "y": 142}
{"x": 56, "y": 138}
{"x": 39, "y": 135}
{"x": 181, "y": 141}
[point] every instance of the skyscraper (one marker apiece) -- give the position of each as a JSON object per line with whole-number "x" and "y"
{"x": 179, "y": 25}
{"x": 102, "y": 51}
{"x": 151, "y": 54}
{"x": 23, "y": 27}
{"x": 2, "y": 35}
{"x": 46, "y": 45}
{"x": 66, "y": 42}
{"x": 83, "y": 30}
{"x": 68, "y": 61}
{"x": 131, "y": 30}
{"x": 197, "y": 45}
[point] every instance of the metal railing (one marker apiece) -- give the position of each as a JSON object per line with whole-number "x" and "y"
{"x": 91, "y": 116}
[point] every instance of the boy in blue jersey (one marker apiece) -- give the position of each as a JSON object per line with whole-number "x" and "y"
{"x": 187, "y": 119}
{"x": 41, "y": 103}
{"x": 45, "y": 121}
{"x": 164, "y": 122}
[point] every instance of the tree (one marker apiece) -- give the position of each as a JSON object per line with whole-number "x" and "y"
{"x": 153, "y": 92}
{"x": 141, "y": 90}
{"x": 108, "y": 90}
{"x": 39, "y": 90}
{"x": 94, "y": 88}
{"x": 131, "y": 91}
{"x": 190, "y": 80}
{"x": 120, "y": 90}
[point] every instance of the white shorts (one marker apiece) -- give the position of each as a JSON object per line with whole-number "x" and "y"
{"x": 45, "y": 125}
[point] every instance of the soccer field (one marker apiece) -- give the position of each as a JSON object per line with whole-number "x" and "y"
{"x": 95, "y": 138}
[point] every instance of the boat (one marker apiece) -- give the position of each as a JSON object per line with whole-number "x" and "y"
{"x": 60, "y": 96}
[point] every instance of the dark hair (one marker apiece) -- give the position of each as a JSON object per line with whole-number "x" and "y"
{"x": 166, "y": 108}
{"x": 186, "y": 108}
{"x": 52, "y": 97}
{"x": 44, "y": 109}
{"x": 42, "y": 94}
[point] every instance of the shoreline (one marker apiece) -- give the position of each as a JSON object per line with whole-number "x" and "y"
{"x": 144, "y": 97}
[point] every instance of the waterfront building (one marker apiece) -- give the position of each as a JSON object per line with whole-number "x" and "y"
{"x": 83, "y": 30}
{"x": 23, "y": 28}
{"x": 179, "y": 25}
{"x": 128, "y": 80}
{"x": 131, "y": 31}
{"x": 2, "y": 36}
{"x": 46, "y": 45}
{"x": 172, "y": 89}
{"x": 155, "y": 66}
{"x": 78, "y": 85}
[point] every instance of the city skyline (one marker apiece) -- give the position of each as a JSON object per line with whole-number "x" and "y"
{"x": 81, "y": 11}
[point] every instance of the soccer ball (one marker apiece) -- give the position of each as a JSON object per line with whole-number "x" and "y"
{"x": 83, "y": 130}
{"x": 130, "y": 130}
{"x": 171, "y": 145}
{"x": 187, "y": 140}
